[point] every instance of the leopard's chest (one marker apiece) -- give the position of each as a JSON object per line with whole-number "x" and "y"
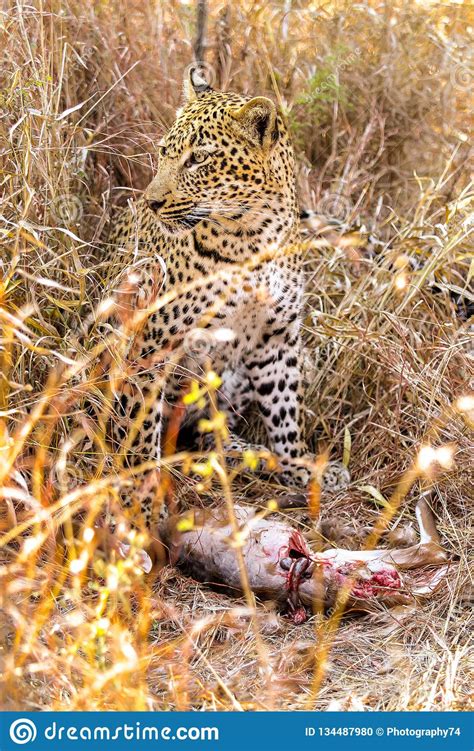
{"x": 229, "y": 317}
{"x": 265, "y": 302}
{"x": 260, "y": 297}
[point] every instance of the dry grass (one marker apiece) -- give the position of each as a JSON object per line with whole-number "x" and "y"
{"x": 377, "y": 97}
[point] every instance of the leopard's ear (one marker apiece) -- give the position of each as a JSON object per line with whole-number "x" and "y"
{"x": 194, "y": 83}
{"x": 257, "y": 119}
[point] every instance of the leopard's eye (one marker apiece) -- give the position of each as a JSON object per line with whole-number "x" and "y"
{"x": 197, "y": 157}
{"x": 161, "y": 149}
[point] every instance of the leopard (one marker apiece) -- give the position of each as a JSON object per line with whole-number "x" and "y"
{"x": 216, "y": 232}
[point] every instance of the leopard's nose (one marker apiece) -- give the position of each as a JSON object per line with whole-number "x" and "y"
{"x": 155, "y": 205}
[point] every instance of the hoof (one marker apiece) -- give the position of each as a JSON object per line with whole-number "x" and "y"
{"x": 290, "y": 500}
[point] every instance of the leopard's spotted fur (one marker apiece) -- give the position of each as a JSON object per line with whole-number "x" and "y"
{"x": 223, "y": 195}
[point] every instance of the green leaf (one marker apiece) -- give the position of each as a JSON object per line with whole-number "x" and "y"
{"x": 376, "y": 494}
{"x": 347, "y": 447}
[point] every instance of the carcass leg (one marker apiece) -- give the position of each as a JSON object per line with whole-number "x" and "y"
{"x": 428, "y": 551}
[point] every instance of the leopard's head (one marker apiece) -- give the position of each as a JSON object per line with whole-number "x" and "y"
{"x": 226, "y": 163}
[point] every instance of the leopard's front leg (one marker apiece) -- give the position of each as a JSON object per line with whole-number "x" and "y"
{"x": 275, "y": 374}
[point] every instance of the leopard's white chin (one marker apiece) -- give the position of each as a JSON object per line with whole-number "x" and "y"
{"x": 174, "y": 228}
